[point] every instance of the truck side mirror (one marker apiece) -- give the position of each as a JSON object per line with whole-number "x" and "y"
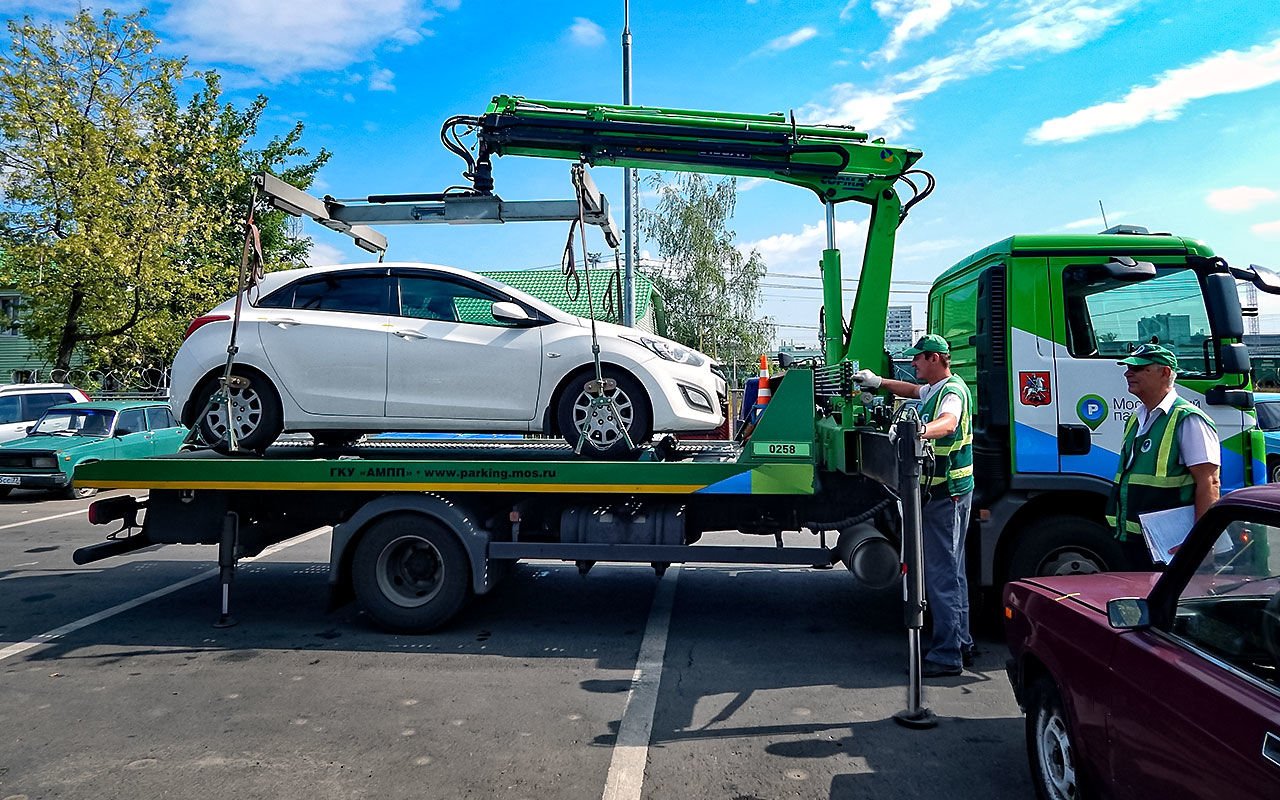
{"x": 1223, "y": 304}
{"x": 1261, "y": 277}
{"x": 1235, "y": 358}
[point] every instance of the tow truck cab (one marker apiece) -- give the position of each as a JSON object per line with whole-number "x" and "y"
{"x": 1036, "y": 325}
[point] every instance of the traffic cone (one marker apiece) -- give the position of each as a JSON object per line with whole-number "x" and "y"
{"x": 763, "y": 392}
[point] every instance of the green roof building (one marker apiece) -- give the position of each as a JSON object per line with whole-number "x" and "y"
{"x": 554, "y": 287}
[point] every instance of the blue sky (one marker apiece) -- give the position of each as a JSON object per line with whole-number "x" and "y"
{"x": 1028, "y": 111}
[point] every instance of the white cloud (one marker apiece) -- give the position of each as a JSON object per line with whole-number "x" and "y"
{"x": 1267, "y": 230}
{"x": 1227, "y": 72}
{"x": 804, "y": 249}
{"x": 914, "y": 19}
{"x": 324, "y": 254}
{"x": 586, "y": 33}
{"x": 284, "y": 38}
{"x": 382, "y": 80}
{"x": 790, "y": 40}
{"x": 1038, "y": 27}
{"x": 846, "y": 13}
{"x": 1240, "y": 198}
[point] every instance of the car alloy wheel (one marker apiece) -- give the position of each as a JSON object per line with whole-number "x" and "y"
{"x": 602, "y": 421}
{"x": 246, "y": 414}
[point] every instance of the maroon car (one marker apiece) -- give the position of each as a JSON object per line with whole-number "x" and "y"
{"x": 1148, "y": 685}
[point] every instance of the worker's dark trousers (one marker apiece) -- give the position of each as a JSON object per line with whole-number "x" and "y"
{"x": 945, "y": 521}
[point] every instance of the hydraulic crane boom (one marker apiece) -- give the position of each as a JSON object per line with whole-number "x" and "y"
{"x": 837, "y": 163}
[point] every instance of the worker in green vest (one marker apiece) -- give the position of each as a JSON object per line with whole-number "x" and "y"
{"x": 946, "y": 409}
{"x": 1170, "y": 455}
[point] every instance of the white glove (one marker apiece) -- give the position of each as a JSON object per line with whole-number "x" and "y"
{"x": 865, "y": 377}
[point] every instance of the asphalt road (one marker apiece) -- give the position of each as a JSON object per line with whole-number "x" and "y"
{"x": 715, "y": 682}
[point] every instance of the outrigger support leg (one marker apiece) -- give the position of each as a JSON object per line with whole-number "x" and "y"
{"x": 910, "y": 455}
{"x": 227, "y": 567}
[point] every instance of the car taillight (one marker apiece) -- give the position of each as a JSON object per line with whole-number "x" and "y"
{"x": 200, "y": 322}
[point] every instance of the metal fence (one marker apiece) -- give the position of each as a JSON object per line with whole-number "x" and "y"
{"x": 137, "y": 383}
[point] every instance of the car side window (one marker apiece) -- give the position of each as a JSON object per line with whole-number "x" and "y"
{"x": 357, "y": 294}
{"x": 36, "y": 404}
{"x": 1230, "y": 607}
{"x": 423, "y": 297}
{"x": 159, "y": 418}
{"x": 10, "y": 409}
{"x": 131, "y": 421}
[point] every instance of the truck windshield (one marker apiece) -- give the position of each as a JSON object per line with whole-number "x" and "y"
{"x": 1107, "y": 318}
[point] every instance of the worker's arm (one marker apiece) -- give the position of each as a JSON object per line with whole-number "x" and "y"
{"x": 902, "y": 388}
{"x": 944, "y": 425}
{"x": 1207, "y": 486}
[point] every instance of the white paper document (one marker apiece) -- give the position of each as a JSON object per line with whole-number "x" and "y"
{"x": 1165, "y": 531}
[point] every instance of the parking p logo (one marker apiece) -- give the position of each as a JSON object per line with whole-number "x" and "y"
{"x": 1092, "y": 411}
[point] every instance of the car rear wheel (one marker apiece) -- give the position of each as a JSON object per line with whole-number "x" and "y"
{"x": 1051, "y": 749}
{"x": 584, "y": 413}
{"x": 255, "y": 414}
{"x": 1066, "y": 545}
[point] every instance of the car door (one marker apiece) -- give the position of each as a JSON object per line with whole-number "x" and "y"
{"x": 131, "y": 434}
{"x": 449, "y": 359}
{"x": 166, "y": 434}
{"x": 1196, "y": 706}
{"x": 325, "y": 337}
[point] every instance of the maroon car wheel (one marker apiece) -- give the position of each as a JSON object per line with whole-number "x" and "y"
{"x": 1051, "y": 746}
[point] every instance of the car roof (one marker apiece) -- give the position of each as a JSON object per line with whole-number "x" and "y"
{"x": 274, "y": 280}
{"x": 10, "y": 388}
{"x": 1266, "y": 496}
{"x": 114, "y": 405}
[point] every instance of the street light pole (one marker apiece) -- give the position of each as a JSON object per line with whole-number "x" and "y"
{"x": 628, "y": 266}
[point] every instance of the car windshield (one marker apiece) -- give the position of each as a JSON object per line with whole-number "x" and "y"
{"x": 75, "y": 422}
{"x": 1244, "y": 562}
{"x": 1269, "y": 415}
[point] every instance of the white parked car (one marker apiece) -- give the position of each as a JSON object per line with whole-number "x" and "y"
{"x": 21, "y": 404}
{"x": 344, "y": 350}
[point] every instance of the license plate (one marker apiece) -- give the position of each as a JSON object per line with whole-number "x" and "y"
{"x": 10, "y": 480}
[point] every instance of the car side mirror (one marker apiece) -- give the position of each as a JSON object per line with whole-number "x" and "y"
{"x": 1128, "y": 613}
{"x": 509, "y": 312}
{"x": 30, "y": 428}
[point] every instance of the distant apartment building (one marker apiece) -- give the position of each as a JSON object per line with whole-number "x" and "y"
{"x": 897, "y": 331}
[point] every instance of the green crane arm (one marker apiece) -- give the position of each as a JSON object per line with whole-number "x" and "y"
{"x": 836, "y": 163}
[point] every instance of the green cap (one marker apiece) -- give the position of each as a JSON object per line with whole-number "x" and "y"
{"x": 930, "y": 343}
{"x": 1145, "y": 354}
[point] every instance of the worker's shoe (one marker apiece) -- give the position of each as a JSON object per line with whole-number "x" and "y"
{"x": 934, "y": 670}
{"x": 968, "y": 654}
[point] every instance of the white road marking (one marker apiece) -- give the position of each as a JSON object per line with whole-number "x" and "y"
{"x": 84, "y": 511}
{"x": 71, "y": 627}
{"x": 631, "y": 751}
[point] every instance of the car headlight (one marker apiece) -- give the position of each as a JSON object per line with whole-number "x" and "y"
{"x": 668, "y": 350}
{"x": 44, "y": 462}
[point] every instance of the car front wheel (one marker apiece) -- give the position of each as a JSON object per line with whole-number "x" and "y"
{"x": 254, "y": 415}
{"x": 601, "y": 418}
{"x": 1051, "y": 748}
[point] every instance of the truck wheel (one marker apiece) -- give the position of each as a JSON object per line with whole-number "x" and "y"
{"x": 1065, "y": 546}
{"x": 604, "y": 424}
{"x": 255, "y": 414}
{"x": 1273, "y": 469}
{"x": 1051, "y": 748}
{"x": 410, "y": 573}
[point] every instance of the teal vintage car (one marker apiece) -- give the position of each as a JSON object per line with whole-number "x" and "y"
{"x": 1267, "y": 404}
{"x": 77, "y": 433}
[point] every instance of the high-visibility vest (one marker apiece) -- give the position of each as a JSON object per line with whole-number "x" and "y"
{"x": 1150, "y": 476}
{"x": 953, "y": 453}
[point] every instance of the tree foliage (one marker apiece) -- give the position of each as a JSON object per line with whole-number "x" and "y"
{"x": 123, "y": 206}
{"x": 711, "y": 288}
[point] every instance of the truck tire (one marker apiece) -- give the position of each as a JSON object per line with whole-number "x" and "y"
{"x": 1066, "y": 545}
{"x": 631, "y": 404}
{"x": 1051, "y": 745}
{"x": 410, "y": 573}
{"x": 1273, "y": 469}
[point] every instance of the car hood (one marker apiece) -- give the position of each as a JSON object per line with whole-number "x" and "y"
{"x": 49, "y": 443}
{"x": 1093, "y": 591}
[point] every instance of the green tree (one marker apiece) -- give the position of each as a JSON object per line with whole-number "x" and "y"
{"x": 123, "y": 206}
{"x": 711, "y": 289}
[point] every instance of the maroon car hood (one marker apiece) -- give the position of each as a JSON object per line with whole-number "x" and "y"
{"x": 1095, "y": 590}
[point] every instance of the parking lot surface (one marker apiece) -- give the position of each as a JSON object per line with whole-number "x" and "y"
{"x": 715, "y": 682}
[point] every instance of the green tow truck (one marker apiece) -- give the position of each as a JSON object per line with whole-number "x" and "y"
{"x": 421, "y": 526}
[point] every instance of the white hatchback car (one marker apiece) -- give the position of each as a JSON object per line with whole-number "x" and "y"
{"x": 344, "y": 350}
